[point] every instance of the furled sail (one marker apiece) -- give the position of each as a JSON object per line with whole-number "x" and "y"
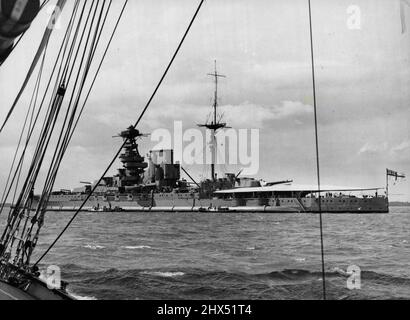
{"x": 15, "y": 18}
{"x": 47, "y": 34}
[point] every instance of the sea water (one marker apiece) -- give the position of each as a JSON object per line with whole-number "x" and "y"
{"x": 230, "y": 255}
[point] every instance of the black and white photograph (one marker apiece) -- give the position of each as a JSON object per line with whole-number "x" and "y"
{"x": 204, "y": 155}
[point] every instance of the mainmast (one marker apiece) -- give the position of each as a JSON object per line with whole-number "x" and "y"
{"x": 215, "y": 124}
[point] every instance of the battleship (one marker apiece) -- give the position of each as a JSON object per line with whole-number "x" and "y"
{"x": 155, "y": 184}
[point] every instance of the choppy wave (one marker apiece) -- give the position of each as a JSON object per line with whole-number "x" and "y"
{"x": 93, "y": 247}
{"x": 300, "y": 259}
{"x": 164, "y": 274}
{"x": 136, "y": 247}
{"x": 78, "y": 297}
{"x": 201, "y": 284}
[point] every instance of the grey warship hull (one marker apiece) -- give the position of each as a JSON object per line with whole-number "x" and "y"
{"x": 193, "y": 203}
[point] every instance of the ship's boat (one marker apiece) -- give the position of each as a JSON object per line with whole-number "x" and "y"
{"x": 16, "y": 17}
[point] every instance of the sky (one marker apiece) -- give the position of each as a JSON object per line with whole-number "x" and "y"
{"x": 263, "y": 47}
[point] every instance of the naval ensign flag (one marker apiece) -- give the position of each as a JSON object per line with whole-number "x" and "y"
{"x": 395, "y": 174}
{"x": 403, "y": 4}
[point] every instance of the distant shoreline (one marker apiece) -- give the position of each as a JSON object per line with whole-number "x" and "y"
{"x": 399, "y": 204}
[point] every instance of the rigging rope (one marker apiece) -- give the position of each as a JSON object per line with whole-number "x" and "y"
{"x": 32, "y": 105}
{"x": 61, "y": 50}
{"x": 322, "y": 249}
{"x": 62, "y": 141}
{"x": 64, "y": 40}
{"x": 49, "y": 29}
{"x": 81, "y": 41}
{"x": 134, "y": 126}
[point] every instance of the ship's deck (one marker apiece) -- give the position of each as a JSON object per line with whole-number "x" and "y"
{"x": 8, "y": 292}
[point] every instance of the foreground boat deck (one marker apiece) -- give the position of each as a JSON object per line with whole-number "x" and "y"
{"x": 8, "y": 292}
